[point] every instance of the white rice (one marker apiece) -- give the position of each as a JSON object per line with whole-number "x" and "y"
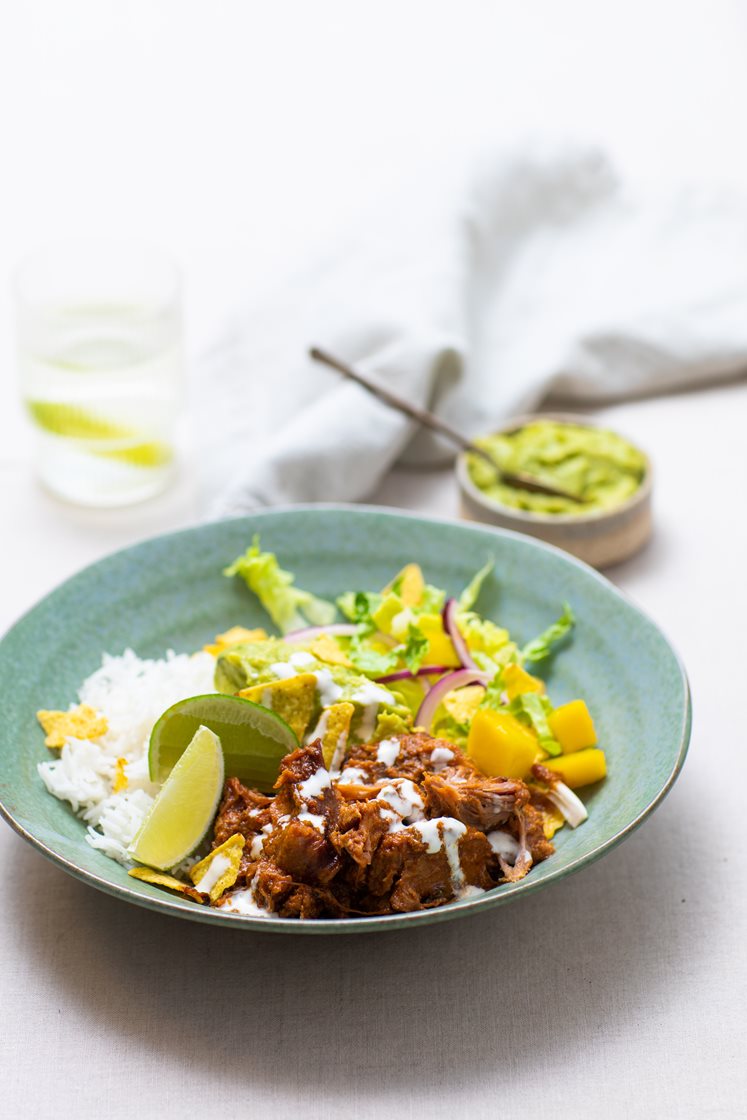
{"x": 131, "y": 693}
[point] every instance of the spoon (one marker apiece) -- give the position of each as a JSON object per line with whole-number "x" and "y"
{"x": 519, "y": 481}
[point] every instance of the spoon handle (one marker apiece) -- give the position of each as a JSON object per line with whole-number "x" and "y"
{"x": 427, "y": 419}
{"x": 436, "y": 424}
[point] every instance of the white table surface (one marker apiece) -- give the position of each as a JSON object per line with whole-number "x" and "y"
{"x": 618, "y": 992}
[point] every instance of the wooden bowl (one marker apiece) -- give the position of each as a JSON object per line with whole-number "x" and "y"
{"x": 600, "y": 539}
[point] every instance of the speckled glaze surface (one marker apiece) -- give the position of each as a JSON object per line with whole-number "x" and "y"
{"x": 169, "y": 593}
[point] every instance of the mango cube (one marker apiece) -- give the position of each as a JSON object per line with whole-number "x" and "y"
{"x": 580, "y": 768}
{"x": 500, "y": 745}
{"x": 573, "y": 726}
{"x": 516, "y": 681}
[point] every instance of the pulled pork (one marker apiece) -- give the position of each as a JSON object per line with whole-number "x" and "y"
{"x": 382, "y": 836}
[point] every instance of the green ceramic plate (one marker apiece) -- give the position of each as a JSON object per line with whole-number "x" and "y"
{"x": 169, "y": 593}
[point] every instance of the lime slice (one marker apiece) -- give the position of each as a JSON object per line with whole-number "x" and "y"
{"x": 185, "y": 806}
{"x": 69, "y": 421}
{"x": 253, "y": 738}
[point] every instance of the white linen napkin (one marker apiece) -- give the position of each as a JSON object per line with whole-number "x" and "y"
{"x": 536, "y": 274}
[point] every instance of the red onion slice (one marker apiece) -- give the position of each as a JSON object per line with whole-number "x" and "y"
{"x": 458, "y": 679}
{"x": 406, "y": 675}
{"x": 448, "y": 616}
{"x": 337, "y": 629}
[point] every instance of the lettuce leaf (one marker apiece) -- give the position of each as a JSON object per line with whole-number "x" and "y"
{"x": 289, "y": 607}
{"x": 414, "y": 649}
{"x": 532, "y": 708}
{"x": 542, "y": 646}
{"x": 469, "y": 596}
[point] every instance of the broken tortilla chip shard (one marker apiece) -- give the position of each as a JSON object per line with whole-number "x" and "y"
{"x": 219, "y": 870}
{"x": 83, "y": 722}
{"x": 333, "y": 729}
{"x": 552, "y": 820}
{"x": 121, "y": 781}
{"x": 293, "y": 699}
{"x": 234, "y": 637}
{"x": 325, "y": 648}
{"x": 462, "y": 703}
{"x": 160, "y": 879}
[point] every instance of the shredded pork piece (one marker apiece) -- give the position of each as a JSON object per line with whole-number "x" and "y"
{"x": 322, "y": 847}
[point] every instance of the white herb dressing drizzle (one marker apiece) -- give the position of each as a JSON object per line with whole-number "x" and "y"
{"x": 440, "y": 756}
{"x": 283, "y": 670}
{"x": 371, "y": 696}
{"x": 504, "y": 844}
{"x": 352, "y": 774}
{"x": 315, "y": 785}
{"x": 218, "y": 866}
{"x": 244, "y": 902}
{"x": 329, "y": 691}
{"x": 388, "y": 751}
{"x": 321, "y": 728}
{"x": 470, "y": 892}
{"x": 313, "y": 819}
{"x": 444, "y": 832}
{"x": 339, "y": 751}
{"x": 402, "y": 795}
{"x": 258, "y": 842}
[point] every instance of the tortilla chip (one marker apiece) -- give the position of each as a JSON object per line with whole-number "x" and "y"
{"x": 326, "y": 649}
{"x": 121, "y": 781}
{"x": 293, "y": 699}
{"x": 234, "y": 637}
{"x": 229, "y": 853}
{"x": 159, "y": 879}
{"x": 409, "y": 584}
{"x": 552, "y": 820}
{"x": 462, "y": 703}
{"x": 333, "y": 729}
{"x": 83, "y": 722}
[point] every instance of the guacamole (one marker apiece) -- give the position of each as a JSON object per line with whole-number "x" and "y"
{"x": 594, "y": 464}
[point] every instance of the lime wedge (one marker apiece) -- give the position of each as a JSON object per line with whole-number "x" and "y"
{"x": 253, "y": 738}
{"x": 185, "y": 806}
{"x": 69, "y": 421}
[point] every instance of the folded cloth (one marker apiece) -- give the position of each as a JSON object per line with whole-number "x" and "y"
{"x": 539, "y": 274}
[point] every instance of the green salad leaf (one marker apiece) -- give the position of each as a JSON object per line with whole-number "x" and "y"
{"x": 533, "y": 709}
{"x": 541, "y": 647}
{"x": 414, "y": 649}
{"x": 289, "y": 607}
{"x": 470, "y": 595}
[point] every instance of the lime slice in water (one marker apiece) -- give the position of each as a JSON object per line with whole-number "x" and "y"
{"x": 69, "y": 421}
{"x": 185, "y": 806}
{"x": 254, "y": 739}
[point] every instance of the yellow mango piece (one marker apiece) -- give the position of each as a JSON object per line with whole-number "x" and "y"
{"x": 83, "y": 722}
{"x": 516, "y": 681}
{"x": 440, "y": 649}
{"x": 333, "y": 729}
{"x": 161, "y": 879}
{"x": 234, "y": 637}
{"x": 327, "y": 649}
{"x": 580, "y": 768}
{"x": 573, "y": 727}
{"x": 462, "y": 703}
{"x": 410, "y": 583}
{"x": 293, "y": 699}
{"x": 500, "y": 745}
{"x": 219, "y": 870}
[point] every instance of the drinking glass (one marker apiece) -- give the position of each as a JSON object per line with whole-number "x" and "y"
{"x": 100, "y": 351}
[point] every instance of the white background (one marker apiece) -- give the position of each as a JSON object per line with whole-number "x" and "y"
{"x": 240, "y": 136}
